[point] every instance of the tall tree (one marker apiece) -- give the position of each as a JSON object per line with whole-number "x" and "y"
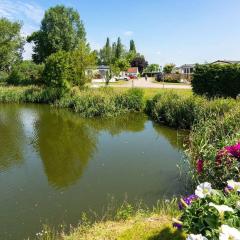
{"x": 119, "y": 49}
{"x": 132, "y": 47}
{"x": 168, "y": 68}
{"x": 11, "y": 44}
{"x": 139, "y": 62}
{"x": 106, "y": 53}
{"x": 152, "y": 68}
{"x": 114, "y": 48}
{"x": 61, "y": 29}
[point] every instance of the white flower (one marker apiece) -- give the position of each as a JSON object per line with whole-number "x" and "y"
{"x": 203, "y": 190}
{"x": 196, "y": 237}
{"x": 227, "y": 233}
{"x": 234, "y": 185}
{"x": 221, "y": 208}
{"x": 238, "y": 204}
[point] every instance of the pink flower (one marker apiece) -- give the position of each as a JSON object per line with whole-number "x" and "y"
{"x": 200, "y": 166}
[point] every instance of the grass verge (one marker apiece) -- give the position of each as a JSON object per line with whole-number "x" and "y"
{"x": 126, "y": 224}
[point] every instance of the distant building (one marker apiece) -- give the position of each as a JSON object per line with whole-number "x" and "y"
{"x": 186, "y": 69}
{"x": 133, "y": 71}
{"x": 225, "y": 62}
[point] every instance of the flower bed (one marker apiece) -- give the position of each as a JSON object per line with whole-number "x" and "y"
{"x": 210, "y": 213}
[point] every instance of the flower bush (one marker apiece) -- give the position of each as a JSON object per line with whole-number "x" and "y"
{"x": 211, "y": 214}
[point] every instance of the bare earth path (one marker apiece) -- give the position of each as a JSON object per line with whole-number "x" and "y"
{"x": 142, "y": 83}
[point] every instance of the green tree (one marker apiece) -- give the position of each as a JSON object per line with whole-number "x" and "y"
{"x": 61, "y": 29}
{"x": 152, "y": 68}
{"x": 168, "y": 68}
{"x": 81, "y": 59}
{"x": 119, "y": 49}
{"x": 132, "y": 47}
{"x": 114, "y": 48}
{"x": 122, "y": 64}
{"x": 11, "y": 44}
{"x": 65, "y": 69}
{"x": 106, "y": 53}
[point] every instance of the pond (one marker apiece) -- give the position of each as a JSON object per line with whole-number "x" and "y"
{"x": 55, "y": 165}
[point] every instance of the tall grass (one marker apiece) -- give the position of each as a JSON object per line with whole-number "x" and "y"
{"x": 87, "y": 102}
{"x": 184, "y": 111}
{"x": 206, "y": 139}
{"x": 214, "y": 124}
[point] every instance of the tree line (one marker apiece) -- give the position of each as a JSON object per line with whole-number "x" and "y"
{"x": 61, "y": 53}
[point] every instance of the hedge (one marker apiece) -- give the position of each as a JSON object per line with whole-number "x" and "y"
{"x": 217, "y": 80}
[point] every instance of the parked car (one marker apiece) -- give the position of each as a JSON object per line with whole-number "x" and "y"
{"x": 132, "y": 77}
{"x": 124, "y": 78}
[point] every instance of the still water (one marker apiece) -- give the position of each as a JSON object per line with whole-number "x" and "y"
{"x": 55, "y": 165}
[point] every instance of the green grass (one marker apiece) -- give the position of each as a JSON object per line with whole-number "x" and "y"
{"x": 151, "y": 92}
{"x": 127, "y": 223}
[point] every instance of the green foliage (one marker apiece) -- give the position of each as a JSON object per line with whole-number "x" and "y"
{"x": 66, "y": 69}
{"x": 122, "y": 64}
{"x": 221, "y": 80}
{"x": 182, "y": 112}
{"x": 11, "y": 44}
{"x": 106, "y": 54}
{"x": 207, "y": 139}
{"x": 57, "y": 70}
{"x": 26, "y": 73}
{"x": 200, "y": 218}
{"x": 173, "y": 78}
{"x": 168, "y": 68}
{"x": 30, "y": 94}
{"x": 152, "y": 68}
{"x": 125, "y": 212}
{"x": 119, "y": 49}
{"x": 132, "y": 47}
{"x": 104, "y": 102}
{"x": 131, "y": 100}
{"x": 61, "y": 30}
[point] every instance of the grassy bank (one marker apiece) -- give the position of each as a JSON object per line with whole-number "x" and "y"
{"x": 214, "y": 124}
{"x": 127, "y": 223}
{"x": 104, "y": 102}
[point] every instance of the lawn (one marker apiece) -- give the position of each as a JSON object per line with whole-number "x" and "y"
{"x": 151, "y": 92}
{"x": 153, "y": 228}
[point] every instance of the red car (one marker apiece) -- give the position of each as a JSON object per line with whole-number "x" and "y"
{"x": 132, "y": 77}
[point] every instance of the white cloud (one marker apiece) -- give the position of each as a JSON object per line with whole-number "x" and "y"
{"x": 19, "y": 10}
{"x": 128, "y": 33}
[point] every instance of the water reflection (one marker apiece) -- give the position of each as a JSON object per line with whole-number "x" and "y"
{"x": 65, "y": 142}
{"x": 11, "y": 138}
{"x": 54, "y": 165}
{"x": 65, "y": 145}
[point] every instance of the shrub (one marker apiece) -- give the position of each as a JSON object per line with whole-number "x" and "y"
{"x": 30, "y": 94}
{"x": 217, "y": 80}
{"x": 182, "y": 112}
{"x": 132, "y": 100}
{"x": 102, "y": 102}
{"x": 172, "y": 78}
{"x": 26, "y": 73}
{"x": 66, "y": 69}
{"x": 211, "y": 213}
{"x": 57, "y": 70}
{"x": 3, "y": 77}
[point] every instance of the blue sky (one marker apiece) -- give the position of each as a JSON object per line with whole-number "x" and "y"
{"x": 178, "y": 31}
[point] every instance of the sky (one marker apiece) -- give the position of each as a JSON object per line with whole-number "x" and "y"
{"x": 165, "y": 31}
